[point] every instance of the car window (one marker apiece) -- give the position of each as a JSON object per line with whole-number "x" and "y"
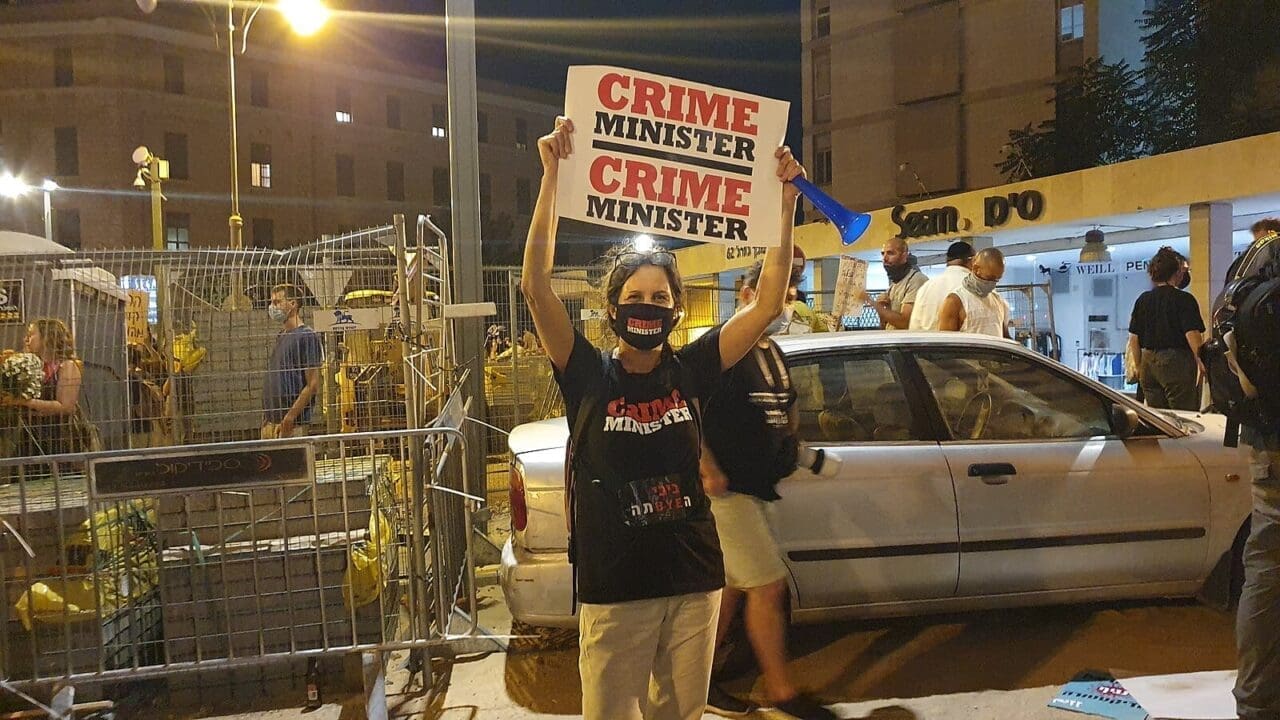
{"x": 851, "y": 398}
{"x": 986, "y": 395}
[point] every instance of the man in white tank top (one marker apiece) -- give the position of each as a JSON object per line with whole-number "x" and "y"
{"x": 975, "y": 307}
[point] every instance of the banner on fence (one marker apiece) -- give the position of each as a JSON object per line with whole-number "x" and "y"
{"x": 671, "y": 157}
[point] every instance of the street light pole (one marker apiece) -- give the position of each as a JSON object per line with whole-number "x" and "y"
{"x": 48, "y": 213}
{"x": 235, "y": 221}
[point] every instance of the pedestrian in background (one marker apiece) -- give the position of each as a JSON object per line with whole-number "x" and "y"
{"x": 929, "y": 299}
{"x": 1165, "y": 334}
{"x": 976, "y": 307}
{"x": 55, "y": 422}
{"x": 895, "y": 306}
{"x": 293, "y": 372}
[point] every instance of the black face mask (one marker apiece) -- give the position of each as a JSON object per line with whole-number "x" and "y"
{"x": 1186, "y": 280}
{"x": 644, "y": 326}
{"x": 897, "y": 272}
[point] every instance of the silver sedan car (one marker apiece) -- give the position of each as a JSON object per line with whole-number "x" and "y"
{"x": 974, "y": 474}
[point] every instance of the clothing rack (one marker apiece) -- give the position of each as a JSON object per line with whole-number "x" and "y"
{"x": 1105, "y": 366}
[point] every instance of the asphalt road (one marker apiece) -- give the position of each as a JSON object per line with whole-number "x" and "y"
{"x": 943, "y": 655}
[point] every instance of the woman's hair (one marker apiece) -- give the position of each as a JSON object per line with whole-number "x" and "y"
{"x": 56, "y": 338}
{"x": 617, "y": 274}
{"x": 1164, "y": 265}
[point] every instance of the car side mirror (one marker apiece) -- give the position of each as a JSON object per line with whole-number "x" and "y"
{"x": 1124, "y": 421}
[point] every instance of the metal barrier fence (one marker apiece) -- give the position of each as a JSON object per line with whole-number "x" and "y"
{"x": 122, "y": 565}
{"x": 174, "y": 346}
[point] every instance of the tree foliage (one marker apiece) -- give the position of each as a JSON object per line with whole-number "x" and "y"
{"x": 1211, "y": 73}
{"x": 1099, "y": 118}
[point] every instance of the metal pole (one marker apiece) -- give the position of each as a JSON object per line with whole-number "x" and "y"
{"x": 157, "y": 205}
{"x": 235, "y": 221}
{"x": 464, "y": 177}
{"x": 48, "y": 215}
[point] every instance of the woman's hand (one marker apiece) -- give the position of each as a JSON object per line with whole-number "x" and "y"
{"x": 556, "y": 145}
{"x": 788, "y": 169}
{"x": 11, "y": 401}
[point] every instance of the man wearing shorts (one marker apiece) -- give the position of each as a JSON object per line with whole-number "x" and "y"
{"x": 749, "y": 445}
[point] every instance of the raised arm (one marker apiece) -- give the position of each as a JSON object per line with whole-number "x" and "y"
{"x": 555, "y": 331}
{"x": 746, "y": 326}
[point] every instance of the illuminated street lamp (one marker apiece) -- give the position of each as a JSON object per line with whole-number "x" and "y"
{"x": 13, "y": 188}
{"x": 306, "y": 17}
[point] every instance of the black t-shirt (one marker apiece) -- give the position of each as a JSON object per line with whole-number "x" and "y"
{"x": 640, "y": 427}
{"x": 748, "y": 423}
{"x": 1163, "y": 316}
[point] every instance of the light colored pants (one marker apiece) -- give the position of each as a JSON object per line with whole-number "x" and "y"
{"x": 1258, "y": 617}
{"x": 647, "y": 659}
{"x": 751, "y": 555}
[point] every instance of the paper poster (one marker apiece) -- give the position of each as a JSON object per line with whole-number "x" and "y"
{"x": 1103, "y": 698}
{"x": 135, "y": 317}
{"x": 851, "y": 282}
{"x": 12, "y": 310}
{"x": 664, "y": 156}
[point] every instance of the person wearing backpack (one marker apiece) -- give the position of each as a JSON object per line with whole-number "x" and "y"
{"x": 1165, "y": 334}
{"x": 647, "y": 562}
{"x": 1245, "y": 331}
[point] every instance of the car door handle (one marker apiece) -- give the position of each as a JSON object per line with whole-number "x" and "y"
{"x": 993, "y": 473}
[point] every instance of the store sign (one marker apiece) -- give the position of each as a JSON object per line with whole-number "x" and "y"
{"x": 996, "y": 211}
{"x": 12, "y": 309}
{"x": 923, "y": 223}
{"x": 344, "y": 319}
{"x": 183, "y": 473}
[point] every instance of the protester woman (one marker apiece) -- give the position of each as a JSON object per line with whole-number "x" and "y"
{"x": 55, "y": 423}
{"x": 646, "y": 558}
{"x": 1165, "y": 333}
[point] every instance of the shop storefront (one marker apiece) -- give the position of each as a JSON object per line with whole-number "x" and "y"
{"x": 1200, "y": 202}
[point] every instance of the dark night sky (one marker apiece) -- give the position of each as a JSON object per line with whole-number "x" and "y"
{"x": 750, "y": 45}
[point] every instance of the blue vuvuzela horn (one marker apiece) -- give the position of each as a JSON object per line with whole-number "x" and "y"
{"x": 850, "y": 224}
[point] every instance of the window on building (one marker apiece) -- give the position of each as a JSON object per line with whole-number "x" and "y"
{"x": 343, "y": 111}
{"x": 1071, "y": 22}
{"x": 64, "y": 71}
{"x": 486, "y": 193}
{"x": 66, "y": 231}
{"x": 439, "y": 121}
{"x": 822, "y": 85}
{"x": 440, "y": 186}
{"x": 524, "y": 196}
{"x": 264, "y": 232}
{"x": 346, "y": 176}
{"x": 821, "y": 18}
{"x": 393, "y": 112}
{"x": 822, "y": 159}
{"x": 175, "y": 81}
{"x": 260, "y": 165}
{"x": 175, "y": 151}
{"x": 258, "y": 95}
{"x": 395, "y": 180}
{"x": 66, "y": 151}
{"x": 522, "y": 134}
{"x": 177, "y": 231}
{"x": 482, "y": 127}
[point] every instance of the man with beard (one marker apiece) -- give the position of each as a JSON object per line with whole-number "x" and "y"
{"x": 895, "y": 305}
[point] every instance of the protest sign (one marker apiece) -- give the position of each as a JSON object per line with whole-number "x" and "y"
{"x": 851, "y": 282}
{"x": 135, "y": 318}
{"x": 661, "y": 155}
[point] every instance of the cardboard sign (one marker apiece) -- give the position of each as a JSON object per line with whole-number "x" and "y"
{"x": 851, "y": 282}
{"x": 12, "y": 307}
{"x": 342, "y": 319}
{"x": 665, "y": 156}
{"x": 135, "y": 317}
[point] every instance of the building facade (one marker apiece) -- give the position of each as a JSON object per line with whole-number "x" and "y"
{"x": 909, "y": 99}
{"x": 327, "y": 142}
